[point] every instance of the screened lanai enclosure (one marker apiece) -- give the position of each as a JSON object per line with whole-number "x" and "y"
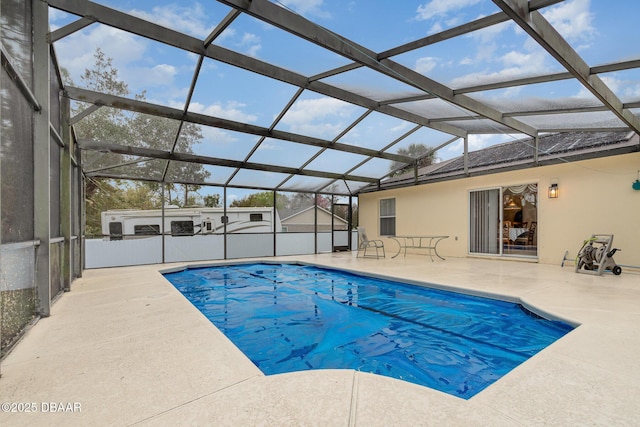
{"x": 252, "y": 129}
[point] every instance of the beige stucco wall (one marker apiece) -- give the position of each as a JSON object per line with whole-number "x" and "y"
{"x": 596, "y": 197}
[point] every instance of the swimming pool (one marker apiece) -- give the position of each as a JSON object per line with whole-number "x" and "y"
{"x": 292, "y": 317}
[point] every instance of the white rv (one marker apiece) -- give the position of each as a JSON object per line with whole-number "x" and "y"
{"x": 128, "y": 223}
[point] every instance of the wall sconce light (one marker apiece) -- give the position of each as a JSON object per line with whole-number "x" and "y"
{"x": 553, "y": 191}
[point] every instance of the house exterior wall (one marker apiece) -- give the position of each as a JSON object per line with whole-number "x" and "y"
{"x": 595, "y": 197}
{"x": 303, "y": 222}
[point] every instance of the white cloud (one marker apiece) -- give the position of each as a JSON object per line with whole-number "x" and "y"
{"x": 76, "y": 51}
{"x": 159, "y": 75}
{"x": 218, "y": 135}
{"x": 250, "y": 43}
{"x": 402, "y": 127}
{"x": 476, "y": 142}
{"x": 253, "y": 50}
{"x": 322, "y": 117}
{"x": 213, "y": 139}
{"x": 57, "y": 18}
{"x": 249, "y": 39}
{"x": 441, "y": 8}
{"x": 489, "y": 34}
{"x": 623, "y": 88}
{"x": 425, "y": 64}
{"x": 486, "y": 43}
{"x": 191, "y": 20}
{"x": 436, "y": 28}
{"x": 306, "y": 8}
{"x": 514, "y": 64}
{"x": 634, "y": 91}
{"x": 267, "y": 146}
{"x": 485, "y": 52}
{"x": 512, "y": 92}
{"x": 76, "y": 54}
{"x": 572, "y": 19}
{"x": 232, "y": 110}
{"x": 517, "y": 59}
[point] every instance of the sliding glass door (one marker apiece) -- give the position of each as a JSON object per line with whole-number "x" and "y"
{"x": 504, "y": 221}
{"x": 485, "y": 221}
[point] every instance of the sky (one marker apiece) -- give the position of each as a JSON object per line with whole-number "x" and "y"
{"x": 601, "y": 32}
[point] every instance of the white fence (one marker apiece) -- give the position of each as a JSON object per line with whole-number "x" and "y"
{"x": 116, "y": 253}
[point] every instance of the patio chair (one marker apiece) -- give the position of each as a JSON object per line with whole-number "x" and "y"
{"x": 364, "y": 244}
{"x": 505, "y": 232}
{"x": 526, "y": 238}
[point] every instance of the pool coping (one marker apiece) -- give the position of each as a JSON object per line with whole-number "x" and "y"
{"x": 128, "y": 346}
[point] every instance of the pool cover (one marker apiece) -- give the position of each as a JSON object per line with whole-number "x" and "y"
{"x": 290, "y": 317}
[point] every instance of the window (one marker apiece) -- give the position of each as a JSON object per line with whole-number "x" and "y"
{"x": 224, "y": 219}
{"x": 182, "y": 228}
{"x": 146, "y": 230}
{"x": 255, "y": 217}
{"x": 115, "y": 231}
{"x": 208, "y": 226}
{"x": 387, "y": 217}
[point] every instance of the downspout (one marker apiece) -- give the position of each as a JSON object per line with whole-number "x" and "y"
{"x": 466, "y": 155}
{"x": 224, "y": 221}
{"x": 273, "y": 223}
{"x": 315, "y": 223}
{"x": 162, "y": 231}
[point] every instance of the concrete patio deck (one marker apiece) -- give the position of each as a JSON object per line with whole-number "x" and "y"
{"x": 126, "y": 348}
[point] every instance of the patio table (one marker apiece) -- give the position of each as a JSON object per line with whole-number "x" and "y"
{"x": 429, "y": 243}
{"x": 515, "y": 232}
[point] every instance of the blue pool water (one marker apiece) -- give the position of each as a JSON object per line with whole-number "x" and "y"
{"x": 290, "y": 317}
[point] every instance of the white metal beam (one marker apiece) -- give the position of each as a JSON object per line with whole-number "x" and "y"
{"x": 534, "y": 24}
{"x": 87, "y": 144}
{"x": 134, "y": 25}
{"x": 114, "y": 101}
{"x": 301, "y": 27}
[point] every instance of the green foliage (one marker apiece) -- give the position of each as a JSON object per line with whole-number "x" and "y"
{"x": 417, "y": 151}
{"x": 112, "y": 194}
{"x": 295, "y": 201}
{"x": 263, "y": 199}
{"x": 137, "y": 130}
{"x": 212, "y": 201}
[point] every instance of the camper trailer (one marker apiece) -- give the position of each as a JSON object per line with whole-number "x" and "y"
{"x": 129, "y": 224}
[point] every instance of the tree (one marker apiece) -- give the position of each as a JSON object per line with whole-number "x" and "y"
{"x": 104, "y": 124}
{"x": 306, "y": 199}
{"x": 157, "y": 132}
{"x": 137, "y": 130}
{"x": 416, "y": 151}
{"x": 110, "y": 194}
{"x": 212, "y": 201}
{"x": 323, "y": 201}
{"x": 263, "y": 199}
